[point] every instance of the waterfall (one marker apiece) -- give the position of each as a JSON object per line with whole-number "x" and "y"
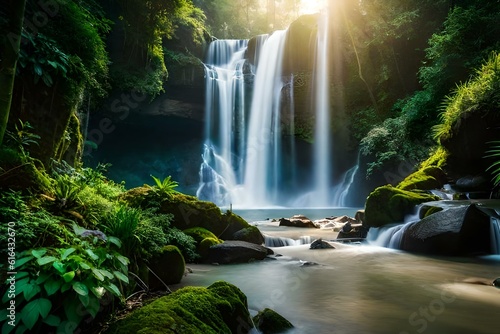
{"x": 322, "y": 147}
{"x": 246, "y": 160}
{"x": 495, "y": 235}
{"x": 390, "y": 235}
{"x": 270, "y": 241}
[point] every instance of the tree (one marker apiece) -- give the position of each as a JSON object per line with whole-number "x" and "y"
{"x": 11, "y": 24}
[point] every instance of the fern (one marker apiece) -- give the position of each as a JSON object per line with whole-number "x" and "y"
{"x": 494, "y": 168}
{"x": 165, "y": 187}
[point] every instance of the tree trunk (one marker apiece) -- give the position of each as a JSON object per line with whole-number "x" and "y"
{"x": 10, "y": 42}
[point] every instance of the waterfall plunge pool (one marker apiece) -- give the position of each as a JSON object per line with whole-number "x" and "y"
{"x": 365, "y": 289}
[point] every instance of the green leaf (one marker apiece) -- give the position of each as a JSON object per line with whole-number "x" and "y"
{"x": 113, "y": 289}
{"x": 52, "y": 63}
{"x": 38, "y": 71}
{"x": 42, "y": 278}
{"x": 33, "y": 310}
{"x": 106, "y": 273}
{"x": 84, "y": 299}
{"x": 31, "y": 290}
{"x": 65, "y": 287}
{"x": 78, "y": 230}
{"x": 80, "y": 288}
{"x": 52, "y": 286}
{"x": 67, "y": 326}
{"x": 22, "y": 261}
{"x": 20, "y": 329}
{"x": 123, "y": 260}
{"x": 46, "y": 259}
{"x": 97, "y": 273}
{"x": 60, "y": 267}
{"x": 93, "y": 306}
{"x": 120, "y": 276}
{"x": 92, "y": 255}
{"x": 84, "y": 266}
{"x": 6, "y": 328}
{"x": 52, "y": 320}
{"x": 68, "y": 277}
{"x": 115, "y": 241}
{"x": 67, "y": 252}
{"x": 21, "y": 274}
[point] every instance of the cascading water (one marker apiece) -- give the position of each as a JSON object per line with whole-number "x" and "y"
{"x": 246, "y": 162}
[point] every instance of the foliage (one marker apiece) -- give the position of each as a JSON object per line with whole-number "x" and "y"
{"x": 66, "y": 194}
{"x": 389, "y": 143}
{"x": 166, "y": 187}
{"x": 494, "y": 152}
{"x": 23, "y": 137}
{"x": 481, "y": 93}
{"x": 123, "y": 223}
{"x": 59, "y": 287}
{"x": 184, "y": 242}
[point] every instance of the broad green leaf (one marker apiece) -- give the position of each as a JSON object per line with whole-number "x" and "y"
{"x": 115, "y": 241}
{"x": 60, "y": 267}
{"x": 46, "y": 259}
{"x": 42, "y": 278}
{"x": 31, "y": 290}
{"x": 52, "y": 286}
{"x": 38, "y": 253}
{"x": 97, "y": 273}
{"x": 20, "y": 329}
{"x": 123, "y": 260}
{"x": 33, "y": 310}
{"x": 67, "y": 252}
{"x": 19, "y": 288}
{"x": 113, "y": 289}
{"x": 6, "y": 328}
{"x": 68, "y": 277}
{"x": 120, "y": 276}
{"x": 72, "y": 309}
{"x": 38, "y": 71}
{"x": 52, "y": 320}
{"x": 106, "y": 273}
{"x": 80, "y": 288}
{"x": 20, "y": 262}
{"x": 92, "y": 255}
{"x": 84, "y": 299}
{"x": 21, "y": 274}
{"x": 67, "y": 326}
{"x": 52, "y": 63}
{"x": 65, "y": 287}
{"x": 84, "y": 266}
{"x": 78, "y": 230}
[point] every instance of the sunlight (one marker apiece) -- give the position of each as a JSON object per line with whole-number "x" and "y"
{"x": 311, "y": 6}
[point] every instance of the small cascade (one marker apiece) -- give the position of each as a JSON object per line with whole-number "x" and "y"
{"x": 391, "y": 236}
{"x": 342, "y": 190}
{"x": 270, "y": 241}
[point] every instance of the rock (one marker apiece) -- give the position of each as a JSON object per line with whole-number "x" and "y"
{"x": 320, "y": 244}
{"x": 388, "y": 204}
{"x": 496, "y": 283}
{"x": 428, "y": 178}
{"x": 360, "y": 216}
{"x": 249, "y": 234}
{"x": 168, "y": 265}
{"x": 270, "y": 322}
{"x": 472, "y": 183}
{"x": 220, "y": 308}
{"x": 352, "y": 231}
{"x": 237, "y": 252}
{"x": 297, "y": 223}
{"x": 452, "y": 232}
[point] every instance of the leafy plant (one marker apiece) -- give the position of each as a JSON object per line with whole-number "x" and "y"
{"x": 59, "y": 287}
{"x": 165, "y": 187}
{"x": 494, "y": 168}
{"x": 123, "y": 223}
{"x": 66, "y": 192}
{"x": 23, "y": 137}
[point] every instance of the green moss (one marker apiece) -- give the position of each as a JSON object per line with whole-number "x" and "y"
{"x": 387, "y": 205}
{"x": 220, "y": 308}
{"x": 169, "y": 265}
{"x": 426, "y": 210}
{"x": 200, "y": 233}
{"x": 26, "y": 176}
{"x": 136, "y": 197}
{"x": 270, "y": 322}
{"x": 249, "y": 234}
{"x": 437, "y": 158}
{"x": 205, "y": 244}
{"x": 427, "y": 178}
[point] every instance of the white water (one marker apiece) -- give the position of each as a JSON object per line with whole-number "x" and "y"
{"x": 322, "y": 147}
{"x": 246, "y": 162}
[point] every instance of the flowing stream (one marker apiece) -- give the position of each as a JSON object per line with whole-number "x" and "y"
{"x": 366, "y": 289}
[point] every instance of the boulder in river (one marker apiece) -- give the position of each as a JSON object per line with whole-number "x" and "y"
{"x": 232, "y": 251}
{"x": 297, "y": 222}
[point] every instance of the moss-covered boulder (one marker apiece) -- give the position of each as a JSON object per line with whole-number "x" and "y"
{"x": 20, "y": 175}
{"x": 204, "y": 240}
{"x": 271, "y": 322}
{"x": 220, "y": 308}
{"x": 168, "y": 265}
{"x": 427, "y": 178}
{"x": 388, "y": 204}
{"x": 249, "y": 234}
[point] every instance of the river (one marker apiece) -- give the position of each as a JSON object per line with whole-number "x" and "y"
{"x": 363, "y": 288}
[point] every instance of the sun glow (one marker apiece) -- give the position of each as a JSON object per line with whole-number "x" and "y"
{"x": 312, "y": 6}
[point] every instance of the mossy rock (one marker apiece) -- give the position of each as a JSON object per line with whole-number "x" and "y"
{"x": 25, "y": 176}
{"x": 249, "y": 234}
{"x": 136, "y": 197}
{"x": 220, "y": 308}
{"x": 169, "y": 265}
{"x": 204, "y": 246}
{"x": 200, "y": 233}
{"x": 428, "y": 178}
{"x": 388, "y": 204}
{"x": 270, "y": 322}
{"x": 427, "y": 210}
